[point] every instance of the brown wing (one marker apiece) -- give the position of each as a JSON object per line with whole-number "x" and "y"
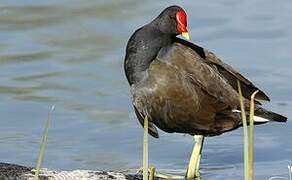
{"x": 182, "y": 93}
{"x": 230, "y": 74}
{"x": 191, "y": 65}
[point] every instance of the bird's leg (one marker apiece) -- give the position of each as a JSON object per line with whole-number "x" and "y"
{"x": 145, "y": 149}
{"x": 194, "y": 164}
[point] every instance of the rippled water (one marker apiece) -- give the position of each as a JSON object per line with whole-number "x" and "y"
{"x": 70, "y": 54}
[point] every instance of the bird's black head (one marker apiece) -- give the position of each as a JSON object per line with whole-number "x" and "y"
{"x": 172, "y": 20}
{"x": 145, "y": 44}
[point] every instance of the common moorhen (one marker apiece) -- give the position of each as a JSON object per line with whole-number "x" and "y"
{"x": 182, "y": 87}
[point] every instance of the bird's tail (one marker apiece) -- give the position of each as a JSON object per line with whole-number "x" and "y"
{"x": 263, "y": 115}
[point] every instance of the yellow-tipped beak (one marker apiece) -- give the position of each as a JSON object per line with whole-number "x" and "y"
{"x": 185, "y": 35}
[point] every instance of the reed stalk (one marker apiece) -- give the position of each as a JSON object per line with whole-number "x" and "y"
{"x": 251, "y": 137}
{"x": 245, "y": 132}
{"x": 43, "y": 145}
{"x": 248, "y": 135}
{"x": 152, "y": 173}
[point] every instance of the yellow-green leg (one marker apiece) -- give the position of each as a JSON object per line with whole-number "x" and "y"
{"x": 145, "y": 149}
{"x": 194, "y": 164}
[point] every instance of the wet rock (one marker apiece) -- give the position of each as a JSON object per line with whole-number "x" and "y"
{"x": 17, "y": 172}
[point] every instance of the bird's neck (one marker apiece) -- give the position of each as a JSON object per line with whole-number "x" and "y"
{"x": 142, "y": 49}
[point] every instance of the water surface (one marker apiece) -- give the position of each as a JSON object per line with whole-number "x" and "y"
{"x": 70, "y": 54}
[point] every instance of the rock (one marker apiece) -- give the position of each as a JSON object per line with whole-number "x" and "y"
{"x": 17, "y": 172}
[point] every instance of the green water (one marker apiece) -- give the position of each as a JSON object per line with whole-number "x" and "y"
{"x": 70, "y": 54}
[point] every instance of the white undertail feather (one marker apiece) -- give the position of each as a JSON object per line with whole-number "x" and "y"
{"x": 255, "y": 118}
{"x": 260, "y": 119}
{"x": 236, "y": 111}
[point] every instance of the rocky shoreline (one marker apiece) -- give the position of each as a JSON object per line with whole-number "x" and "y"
{"x": 17, "y": 172}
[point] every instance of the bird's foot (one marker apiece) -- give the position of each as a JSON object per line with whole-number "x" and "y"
{"x": 151, "y": 172}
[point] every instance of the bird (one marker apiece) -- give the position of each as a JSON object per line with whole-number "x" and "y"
{"x": 184, "y": 88}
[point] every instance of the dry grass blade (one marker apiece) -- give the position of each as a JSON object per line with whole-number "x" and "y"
{"x": 43, "y": 145}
